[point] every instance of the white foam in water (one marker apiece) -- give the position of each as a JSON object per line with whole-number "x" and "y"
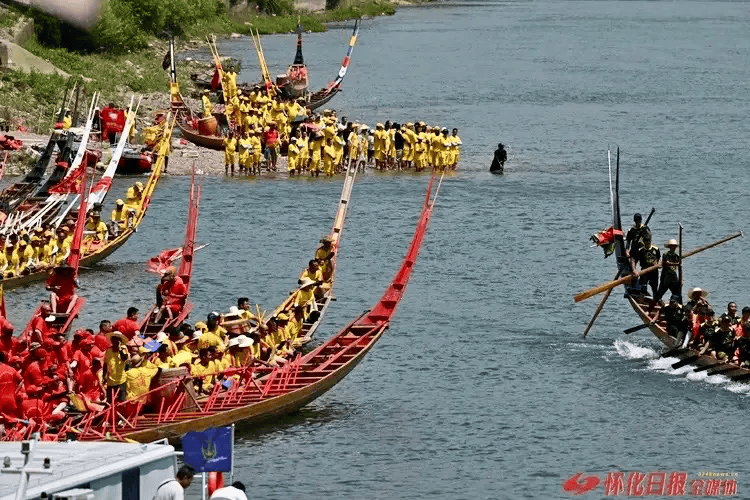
{"x": 632, "y": 351}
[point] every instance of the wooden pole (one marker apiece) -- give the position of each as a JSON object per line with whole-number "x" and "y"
{"x": 598, "y": 309}
{"x": 626, "y": 279}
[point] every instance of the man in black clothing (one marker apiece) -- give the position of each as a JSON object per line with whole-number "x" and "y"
{"x": 498, "y": 162}
{"x": 670, "y": 276}
{"x": 650, "y": 256}
{"x": 676, "y": 318}
{"x": 634, "y": 245}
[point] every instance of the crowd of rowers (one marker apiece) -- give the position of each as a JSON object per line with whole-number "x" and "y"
{"x": 46, "y": 246}
{"x": 321, "y": 143}
{"x": 44, "y": 376}
{"x": 694, "y": 323}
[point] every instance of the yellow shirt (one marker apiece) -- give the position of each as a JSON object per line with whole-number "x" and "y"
{"x": 115, "y": 367}
{"x": 209, "y": 339}
{"x": 181, "y": 358}
{"x": 316, "y": 276}
{"x": 230, "y": 145}
{"x": 206, "y": 372}
{"x": 303, "y": 297}
{"x": 138, "y": 380}
{"x": 246, "y": 148}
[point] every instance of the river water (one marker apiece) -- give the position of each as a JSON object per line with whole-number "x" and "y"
{"x": 484, "y": 387}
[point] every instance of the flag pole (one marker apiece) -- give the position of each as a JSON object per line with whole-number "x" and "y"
{"x": 203, "y": 486}
{"x": 231, "y": 471}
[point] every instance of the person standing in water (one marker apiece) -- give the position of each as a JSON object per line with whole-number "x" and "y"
{"x": 498, "y": 162}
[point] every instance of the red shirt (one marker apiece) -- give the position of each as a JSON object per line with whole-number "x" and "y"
{"x": 100, "y": 340}
{"x": 88, "y": 385}
{"x": 38, "y": 323}
{"x": 127, "y": 327}
{"x": 9, "y": 380}
{"x": 83, "y": 362}
{"x": 271, "y": 136}
{"x": 174, "y": 292}
{"x": 32, "y": 375}
{"x": 63, "y": 286}
{"x": 8, "y": 344}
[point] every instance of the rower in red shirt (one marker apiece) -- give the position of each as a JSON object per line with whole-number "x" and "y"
{"x": 62, "y": 285}
{"x": 38, "y": 331}
{"x": 33, "y": 374}
{"x": 128, "y": 325}
{"x": 8, "y": 343}
{"x": 10, "y": 380}
{"x": 171, "y": 294}
{"x": 88, "y": 384}
{"x": 100, "y": 339}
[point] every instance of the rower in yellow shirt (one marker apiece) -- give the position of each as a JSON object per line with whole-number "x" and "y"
{"x": 245, "y": 145}
{"x": 381, "y": 138}
{"x": 206, "y": 102}
{"x": 25, "y": 255}
{"x": 329, "y": 155}
{"x": 316, "y": 147}
{"x": 292, "y": 157}
{"x": 456, "y": 148}
{"x": 304, "y": 150}
{"x": 203, "y": 371}
{"x": 95, "y": 229}
{"x": 138, "y": 377}
{"x": 118, "y": 214}
{"x": 257, "y": 150}
{"x": 230, "y": 148}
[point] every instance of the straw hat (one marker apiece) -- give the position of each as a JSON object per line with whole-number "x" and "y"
{"x": 233, "y": 342}
{"x": 704, "y": 293}
{"x": 197, "y": 334}
{"x": 243, "y": 341}
{"x": 161, "y": 337}
{"x": 306, "y": 282}
{"x": 117, "y": 334}
{"x": 671, "y": 243}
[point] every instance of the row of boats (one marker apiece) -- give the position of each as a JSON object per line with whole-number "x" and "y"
{"x": 259, "y": 391}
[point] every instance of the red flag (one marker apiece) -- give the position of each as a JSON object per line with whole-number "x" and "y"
{"x": 216, "y": 80}
{"x": 162, "y": 261}
{"x": 71, "y": 184}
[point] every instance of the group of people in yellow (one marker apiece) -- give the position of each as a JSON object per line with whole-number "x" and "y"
{"x": 216, "y": 350}
{"x": 46, "y": 246}
{"x": 321, "y": 144}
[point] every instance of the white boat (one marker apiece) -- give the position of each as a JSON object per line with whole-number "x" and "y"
{"x": 73, "y": 470}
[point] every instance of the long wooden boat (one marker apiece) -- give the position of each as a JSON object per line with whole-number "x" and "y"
{"x": 192, "y": 134}
{"x": 63, "y": 321}
{"x": 277, "y": 391}
{"x": 185, "y": 271}
{"x": 50, "y": 197}
{"x": 92, "y": 255}
{"x": 309, "y": 328}
{"x": 647, "y": 308}
{"x": 17, "y": 193}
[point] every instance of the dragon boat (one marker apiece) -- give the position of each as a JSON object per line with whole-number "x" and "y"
{"x": 152, "y": 324}
{"x": 93, "y": 252}
{"x": 257, "y": 393}
{"x": 645, "y": 306}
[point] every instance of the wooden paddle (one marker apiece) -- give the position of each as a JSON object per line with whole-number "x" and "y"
{"x": 598, "y": 309}
{"x": 685, "y": 361}
{"x": 708, "y": 367}
{"x": 626, "y": 279}
{"x": 674, "y": 352}
{"x": 636, "y": 328}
